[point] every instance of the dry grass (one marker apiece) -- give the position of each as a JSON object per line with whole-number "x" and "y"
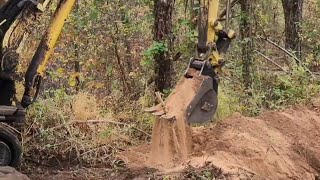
{"x": 85, "y": 107}
{"x": 63, "y": 130}
{"x": 19, "y": 90}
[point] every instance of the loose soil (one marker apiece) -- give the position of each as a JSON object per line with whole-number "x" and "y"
{"x": 172, "y": 139}
{"x": 275, "y": 145}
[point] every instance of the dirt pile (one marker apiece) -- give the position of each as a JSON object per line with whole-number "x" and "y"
{"x": 275, "y": 145}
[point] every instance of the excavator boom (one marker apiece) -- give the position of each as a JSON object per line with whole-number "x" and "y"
{"x": 201, "y": 76}
{"x": 45, "y": 49}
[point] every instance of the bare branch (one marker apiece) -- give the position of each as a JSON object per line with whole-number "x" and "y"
{"x": 108, "y": 122}
{"x": 288, "y": 53}
{"x": 224, "y": 11}
{"x": 270, "y": 60}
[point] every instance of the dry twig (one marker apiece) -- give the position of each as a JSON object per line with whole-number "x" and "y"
{"x": 270, "y": 60}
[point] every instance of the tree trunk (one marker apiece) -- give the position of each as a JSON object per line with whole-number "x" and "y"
{"x": 163, "y": 11}
{"x": 77, "y": 66}
{"x": 247, "y": 46}
{"x": 293, "y": 17}
{"x": 194, "y": 12}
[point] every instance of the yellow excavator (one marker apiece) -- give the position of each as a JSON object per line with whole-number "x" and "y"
{"x": 15, "y": 18}
{"x": 17, "y": 15}
{"x": 213, "y": 42}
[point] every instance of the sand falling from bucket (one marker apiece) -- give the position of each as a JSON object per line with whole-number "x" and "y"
{"x": 172, "y": 139}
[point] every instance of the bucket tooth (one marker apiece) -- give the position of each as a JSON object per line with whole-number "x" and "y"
{"x": 153, "y": 109}
{"x": 168, "y": 117}
{"x": 159, "y": 113}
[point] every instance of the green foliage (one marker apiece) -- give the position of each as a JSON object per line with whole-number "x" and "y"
{"x": 145, "y": 121}
{"x": 318, "y": 4}
{"x": 244, "y": 17}
{"x": 295, "y": 88}
{"x": 107, "y": 133}
{"x": 108, "y": 33}
{"x": 277, "y": 91}
{"x": 155, "y": 49}
{"x": 229, "y": 103}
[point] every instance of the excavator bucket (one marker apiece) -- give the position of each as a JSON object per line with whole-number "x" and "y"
{"x": 204, "y": 104}
{"x": 194, "y": 98}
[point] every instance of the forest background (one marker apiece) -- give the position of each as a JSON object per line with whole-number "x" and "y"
{"x": 113, "y": 56}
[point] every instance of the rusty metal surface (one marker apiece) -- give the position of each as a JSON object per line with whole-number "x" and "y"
{"x": 204, "y": 105}
{"x": 8, "y": 110}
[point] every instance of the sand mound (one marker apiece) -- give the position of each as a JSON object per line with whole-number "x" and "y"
{"x": 275, "y": 145}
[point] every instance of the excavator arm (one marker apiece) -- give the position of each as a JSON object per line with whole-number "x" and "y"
{"x": 15, "y": 18}
{"x": 45, "y": 49}
{"x": 201, "y": 76}
{"x": 214, "y": 39}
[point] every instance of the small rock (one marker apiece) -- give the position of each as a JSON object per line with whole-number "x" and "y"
{"x": 9, "y": 173}
{"x": 316, "y": 102}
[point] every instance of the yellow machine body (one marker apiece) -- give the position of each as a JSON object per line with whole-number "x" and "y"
{"x": 44, "y": 51}
{"x": 53, "y": 32}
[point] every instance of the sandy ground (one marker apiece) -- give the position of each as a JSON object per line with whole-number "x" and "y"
{"x": 275, "y": 145}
